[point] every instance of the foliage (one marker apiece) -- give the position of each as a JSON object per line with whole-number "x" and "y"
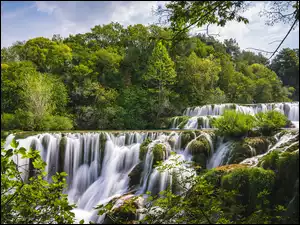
{"x": 234, "y": 124}
{"x": 269, "y": 122}
{"x": 116, "y": 77}
{"x": 35, "y": 199}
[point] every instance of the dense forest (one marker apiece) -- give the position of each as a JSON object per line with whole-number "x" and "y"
{"x": 117, "y": 77}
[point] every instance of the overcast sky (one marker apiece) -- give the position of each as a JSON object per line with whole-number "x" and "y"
{"x": 24, "y": 20}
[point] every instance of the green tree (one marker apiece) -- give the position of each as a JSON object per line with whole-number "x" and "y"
{"x": 49, "y": 56}
{"x": 286, "y": 66}
{"x": 160, "y": 72}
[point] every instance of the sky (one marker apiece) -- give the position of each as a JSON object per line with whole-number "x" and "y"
{"x": 21, "y": 21}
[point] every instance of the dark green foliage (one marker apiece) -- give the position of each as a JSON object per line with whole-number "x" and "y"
{"x": 144, "y": 148}
{"x": 249, "y": 183}
{"x": 131, "y": 78}
{"x": 270, "y": 122}
{"x": 283, "y": 164}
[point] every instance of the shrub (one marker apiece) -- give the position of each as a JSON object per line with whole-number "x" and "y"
{"x": 55, "y": 123}
{"x": 234, "y": 124}
{"x": 61, "y": 123}
{"x": 249, "y": 183}
{"x": 270, "y": 121}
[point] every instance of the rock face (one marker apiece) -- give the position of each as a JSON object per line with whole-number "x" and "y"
{"x": 135, "y": 175}
{"x": 125, "y": 209}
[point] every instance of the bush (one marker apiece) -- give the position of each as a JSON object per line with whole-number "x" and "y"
{"x": 8, "y": 121}
{"x": 270, "y": 121}
{"x": 234, "y": 124}
{"x": 61, "y": 123}
{"x": 55, "y": 123}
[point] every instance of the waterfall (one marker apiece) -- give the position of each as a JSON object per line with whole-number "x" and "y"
{"x": 220, "y": 154}
{"x": 206, "y": 112}
{"x": 98, "y": 164}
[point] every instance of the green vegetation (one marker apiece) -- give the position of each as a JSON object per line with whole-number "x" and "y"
{"x": 234, "y": 124}
{"x": 33, "y": 199}
{"x": 270, "y": 121}
{"x": 159, "y": 153}
{"x": 234, "y": 194}
{"x": 130, "y": 78}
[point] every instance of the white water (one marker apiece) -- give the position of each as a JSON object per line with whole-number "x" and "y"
{"x": 290, "y": 109}
{"x": 96, "y": 173}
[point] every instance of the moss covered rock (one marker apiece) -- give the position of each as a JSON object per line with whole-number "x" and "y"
{"x": 124, "y": 209}
{"x": 181, "y": 121}
{"x": 214, "y": 177}
{"x": 135, "y": 175}
{"x": 247, "y": 148}
{"x": 260, "y": 144}
{"x": 186, "y": 137}
{"x": 199, "y": 146}
{"x": 286, "y": 167}
{"x": 45, "y": 141}
{"x": 159, "y": 153}
{"x": 144, "y": 148}
{"x": 200, "y": 151}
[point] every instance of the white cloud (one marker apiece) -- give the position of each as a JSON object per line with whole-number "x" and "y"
{"x": 45, "y": 18}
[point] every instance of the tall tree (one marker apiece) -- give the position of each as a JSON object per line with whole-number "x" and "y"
{"x": 160, "y": 71}
{"x": 286, "y": 66}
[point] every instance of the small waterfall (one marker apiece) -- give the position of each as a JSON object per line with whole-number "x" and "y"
{"x": 220, "y": 154}
{"x": 290, "y": 109}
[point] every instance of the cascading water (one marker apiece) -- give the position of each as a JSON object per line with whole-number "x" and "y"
{"x": 207, "y": 112}
{"x": 98, "y": 164}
